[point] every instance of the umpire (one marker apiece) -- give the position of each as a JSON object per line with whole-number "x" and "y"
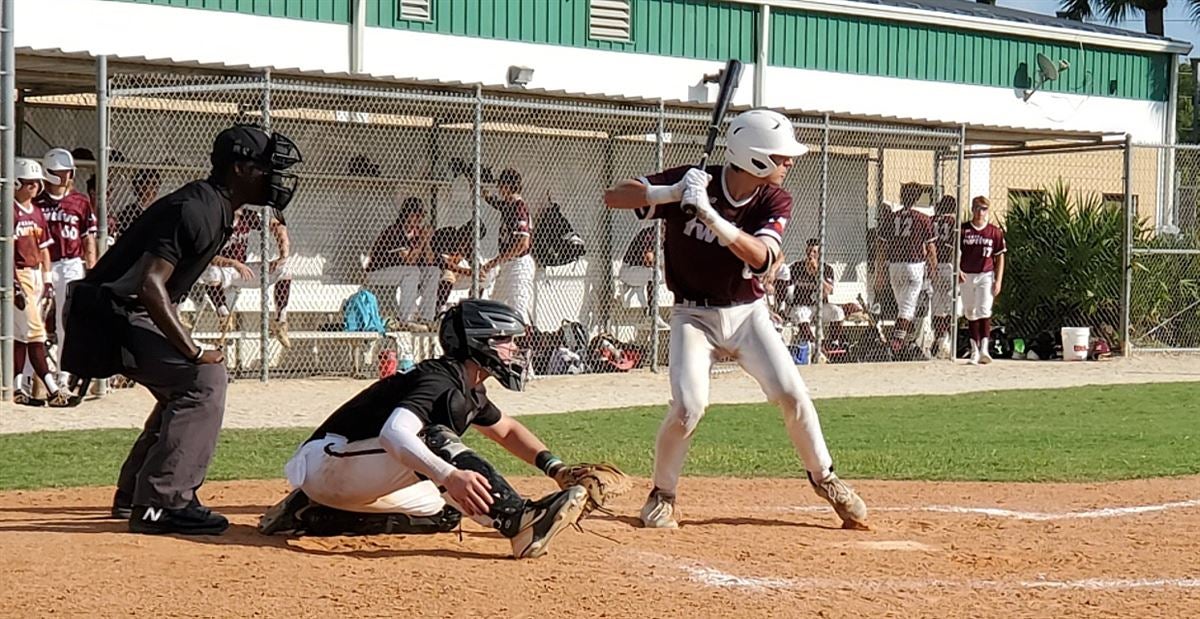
{"x": 122, "y": 319}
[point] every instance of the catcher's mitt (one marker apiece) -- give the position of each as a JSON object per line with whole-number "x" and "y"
{"x": 602, "y": 481}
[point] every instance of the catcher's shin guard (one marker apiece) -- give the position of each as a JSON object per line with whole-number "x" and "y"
{"x": 507, "y": 504}
{"x": 319, "y": 520}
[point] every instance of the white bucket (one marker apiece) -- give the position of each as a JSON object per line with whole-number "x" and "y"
{"x": 1075, "y": 343}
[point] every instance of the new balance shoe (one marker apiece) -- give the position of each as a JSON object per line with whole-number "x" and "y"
{"x": 545, "y": 518}
{"x": 195, "y": 519}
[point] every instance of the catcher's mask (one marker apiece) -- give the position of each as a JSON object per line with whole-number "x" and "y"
{"x": 275, "y": 153}
{"x": 474, "y": 328}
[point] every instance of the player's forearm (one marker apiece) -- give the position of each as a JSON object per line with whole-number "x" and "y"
{"x": 89, "y": 251}
{"x": 631, "y": 194}
{"x": 45, "y": 260}
{"x": 751, "y": 250}
{"x": 520, "y": 442}
{"x": 153, "y": 296}
{"x": 1000, "y": 268}
{"x": 283, "y": 241}
{"x": 400, "y": 439}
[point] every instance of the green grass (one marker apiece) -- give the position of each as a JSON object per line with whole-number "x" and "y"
{"x": 1077, "y": 434}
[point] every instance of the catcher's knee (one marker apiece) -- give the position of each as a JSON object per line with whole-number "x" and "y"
{"x": 507, "y": 503}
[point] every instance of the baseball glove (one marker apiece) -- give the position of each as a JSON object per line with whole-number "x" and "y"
{"x": 602, "y": 481}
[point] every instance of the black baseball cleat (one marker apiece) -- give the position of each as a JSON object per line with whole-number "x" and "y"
{"x": 284, "y": 516}
{"x": 195, "y": 519}
{"x": 122, "y": 506}
{"x": 545, "y": 518}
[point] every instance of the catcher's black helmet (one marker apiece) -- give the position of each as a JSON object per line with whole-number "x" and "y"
{"x": 469, "y": 330}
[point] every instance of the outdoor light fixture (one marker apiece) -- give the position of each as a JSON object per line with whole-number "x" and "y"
{"x": 519, "y": 76}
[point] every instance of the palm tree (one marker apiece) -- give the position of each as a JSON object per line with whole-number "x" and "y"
{"x": 1115, "y": 11}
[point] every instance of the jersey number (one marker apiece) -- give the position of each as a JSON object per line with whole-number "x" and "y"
{"x": 70, "y": 233}
{"x": 987, "y": 251}
{"x": 903, "y": 228}
{"x": 945, "y": 230}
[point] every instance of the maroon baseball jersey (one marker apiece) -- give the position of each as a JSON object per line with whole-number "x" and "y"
{"x": 70, "y": 218}
{"x": 697, "y": 267}
{"x": 514, "y": 222}
{"x": 32, "y": 236}
{"x": 943, "y": 227}
{"x": 905, "y": 234}
{"x": 635, "y": 254}
{"x": 979, "y": 247}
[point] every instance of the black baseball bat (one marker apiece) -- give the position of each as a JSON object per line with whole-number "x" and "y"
{"x": 729, "y": 78}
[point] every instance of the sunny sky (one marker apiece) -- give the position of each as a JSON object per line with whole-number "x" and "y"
{"x": 1177, "y": 24}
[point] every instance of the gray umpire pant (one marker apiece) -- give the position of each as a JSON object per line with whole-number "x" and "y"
{"x": 169, "y": 460}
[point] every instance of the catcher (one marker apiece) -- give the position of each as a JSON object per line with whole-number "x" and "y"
{"x": 391, "y": 460}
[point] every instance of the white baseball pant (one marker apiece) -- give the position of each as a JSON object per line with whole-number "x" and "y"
{"x": 907, "y": 279}
{"x": 514, "y": 285}
{"x": 417, "y": 283}
{"x": 977, "y": 295}
{"x": 360, "y": 476}
{"x": 746, "y": 332}
{"x": 943, "y": 288}
{"x": 62, "y": 273}
{"x": 829, "y": 313}
{"x": 28, "y": 324}
{"x": 228, "y": 277}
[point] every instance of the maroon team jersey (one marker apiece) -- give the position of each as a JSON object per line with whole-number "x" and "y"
{"x": 697, "y": 267}
{"x": 71, "y": 219}
{"x": 905, "y": 234}
{"x": 943, "y": 227}
{"x": 980, "y": 247}
{"x": 32, "y": 236}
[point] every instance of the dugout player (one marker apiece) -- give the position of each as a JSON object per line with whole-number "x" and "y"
{"x": 129, "y": 297}
{"x": 909, "y": 245}
{"x": 943, "y": 299}
{"x": 514, "y": 280}
{"x": 390, "y": 459}
{"x": 33, "y": 287}
{"x": 73, "y": 227}
{"x": 230, "y": 272}
{"x": 981, "y": 275}
{"x": 714, "y": 261}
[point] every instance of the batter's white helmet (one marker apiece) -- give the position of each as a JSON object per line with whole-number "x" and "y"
{"x": 755, "y": 135}
{"x": 58, "y": 159}
{"x": 31, "y": 170}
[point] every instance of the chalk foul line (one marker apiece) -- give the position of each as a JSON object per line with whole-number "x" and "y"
{"x": 996, "y": 512}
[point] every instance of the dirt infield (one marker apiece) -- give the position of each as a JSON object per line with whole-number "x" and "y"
{"x": 747, "y": 548}
{"x": 305, "y": 403}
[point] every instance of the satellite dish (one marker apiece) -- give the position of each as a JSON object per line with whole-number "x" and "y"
{"x": 1048, "y": 68}
{"x": 1048, "y": 71}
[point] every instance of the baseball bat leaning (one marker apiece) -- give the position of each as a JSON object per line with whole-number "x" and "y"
{"x": 728, "y": 79}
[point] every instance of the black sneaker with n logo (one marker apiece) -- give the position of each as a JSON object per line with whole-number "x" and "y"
{"x": 195, "y": 519}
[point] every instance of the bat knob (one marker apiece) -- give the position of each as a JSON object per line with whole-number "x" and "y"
{"x": 688, "y": 209}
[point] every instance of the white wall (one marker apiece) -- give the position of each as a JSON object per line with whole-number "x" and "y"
{"x": 960, "y": 103}
{"x": 128, "y": 29}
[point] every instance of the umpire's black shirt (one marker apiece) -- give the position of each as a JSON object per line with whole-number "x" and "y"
{"x": 187, "y": 228}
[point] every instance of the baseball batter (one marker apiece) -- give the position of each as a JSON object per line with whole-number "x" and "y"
{"x": 944, "y": 226}
{"x": 714, "y": 262}
{"x": 73, "y": 227}
{"x": 981, "y": 275}
{"x": 390, "y": 459}
{"x": 908, "y": 240}
{"x": 32, "y": 241}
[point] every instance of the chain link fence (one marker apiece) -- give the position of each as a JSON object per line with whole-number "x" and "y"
{"x": 413, "y": 197}
{"x": 1165, "y": 269}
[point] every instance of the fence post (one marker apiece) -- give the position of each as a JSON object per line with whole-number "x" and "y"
{"x": 101, "y": 173}
{"x": 658, "y": 255}
{"x": 476, "y": 263}
{"x": 8, "y": 64}
{"x": 958, "y": 196}
{"x": 1127, "y": 254}
{"x": 264, "y": 325}
{"x": 822, "y": 215}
